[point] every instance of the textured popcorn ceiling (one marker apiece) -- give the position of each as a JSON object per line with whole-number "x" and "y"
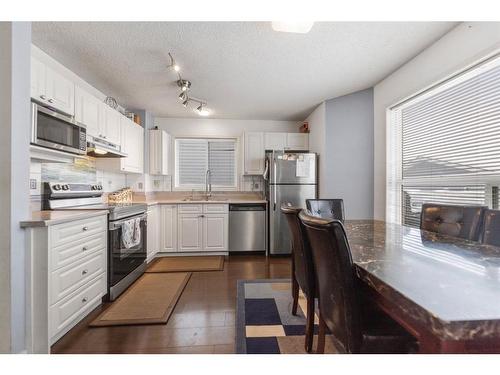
{"x": 245, "y": 70}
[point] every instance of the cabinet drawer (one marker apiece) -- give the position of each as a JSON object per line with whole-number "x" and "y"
{"x": 70, "y": 278}
{"x": 69, "y": 253}
{"x": 190, "y": 208}
{"x": 67, "y": 310}
{"x": 215, "y": 208}
{"x": 76, "y": 230}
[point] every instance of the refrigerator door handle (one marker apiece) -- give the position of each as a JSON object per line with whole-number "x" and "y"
{"x": 275, "y": 198}
{"x": 266, "y": 170}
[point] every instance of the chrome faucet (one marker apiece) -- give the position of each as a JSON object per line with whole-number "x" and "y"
{"x": 208, "y": 184}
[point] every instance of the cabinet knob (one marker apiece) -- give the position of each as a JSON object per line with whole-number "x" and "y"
{"x": 84, "y": 299}
{"x": 51, "y": 100}
{"x": 43, "y": 97}
{"x": 84, "y": 248}
{"x": 85, "y": 229}
{"x": 84, "y": 272}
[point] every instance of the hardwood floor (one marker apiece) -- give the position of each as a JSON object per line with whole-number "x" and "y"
{"x": 203, "y": 321}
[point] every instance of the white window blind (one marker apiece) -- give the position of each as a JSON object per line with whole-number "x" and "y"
{"x": 194, "y": 156}
{"x": 444, "y": 146}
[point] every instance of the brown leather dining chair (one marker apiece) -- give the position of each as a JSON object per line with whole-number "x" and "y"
{"x": 302, "y": 269}
{"x": 456, "y": 221}
{"x": 356, "y": 325}
{"x": 327, "y": 208}
{"x": 490, "y": 231}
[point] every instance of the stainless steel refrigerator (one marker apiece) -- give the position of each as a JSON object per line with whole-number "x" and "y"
{"x": 289, "y": 177}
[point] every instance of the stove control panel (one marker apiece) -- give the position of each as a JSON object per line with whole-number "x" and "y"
{"x": 57, "y": 189}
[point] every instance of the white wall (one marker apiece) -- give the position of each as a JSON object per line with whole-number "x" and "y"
{"x": 317, "y": 141}
{"x": 198, "y": 127}
{"x": 15, "y": 40}
{"x": 459, "y": 48}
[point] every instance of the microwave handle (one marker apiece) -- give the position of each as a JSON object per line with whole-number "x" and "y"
{"x": 34, "y": 122}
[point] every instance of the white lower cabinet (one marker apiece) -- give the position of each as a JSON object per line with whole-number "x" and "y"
{"x": 193, "y": 228}
{"x": 153, "y": 234}
{"x": 67, "y": 277}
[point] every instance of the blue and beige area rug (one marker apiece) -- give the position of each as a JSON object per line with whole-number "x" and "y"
{"x": 265, "y": 324}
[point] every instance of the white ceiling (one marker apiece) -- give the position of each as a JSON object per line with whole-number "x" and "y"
{"x": 245, "y": 70}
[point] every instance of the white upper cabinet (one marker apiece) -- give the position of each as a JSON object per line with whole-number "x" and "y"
{"x": 112, "y": 125}
{"x": 159, "y": 151}
{"x": 51, "y": 88}
{"x": 254, "y": 153}
{"x": 132, "y": 142}
{"x": 297, "y": 141}
{"x": 89, "y": 111}
{"x": 274, "y": 141}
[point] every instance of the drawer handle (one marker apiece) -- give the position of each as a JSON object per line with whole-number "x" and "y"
{"x": 84, "y": 272}
{"x": 43, "y": 97}
{"x": 85, "y": 229}
{"x": 84, "y": 299}
{"x": 201, "y": 216}
{"x": 84, "y": 248}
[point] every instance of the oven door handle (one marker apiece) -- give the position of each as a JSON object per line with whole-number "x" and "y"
{"x": 117, "y": 224}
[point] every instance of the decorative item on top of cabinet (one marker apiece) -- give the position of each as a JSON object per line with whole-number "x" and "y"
{"x": 52, "y": 89}
{"x": 159, "y": 151}
{"x": 254, "y": 153}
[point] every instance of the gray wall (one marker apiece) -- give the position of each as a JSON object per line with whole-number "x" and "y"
{"x": 15, "y": 41}
{"x": 348, "y": 157}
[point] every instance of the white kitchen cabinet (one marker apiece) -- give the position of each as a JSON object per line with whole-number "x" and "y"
{"x": 51, "y": 88}
{"x": 159, "y": 151}
{"x": 153, "y": 234}
{"x": 297, "y": 141}
{"x": 132, "y": 142}
{"x": 275, "y": 141}
{"x": 112, "y": 130}
{"x": 89, "y": 111}
{"x": 190, "y": 232}
{"x": 254, "y": 153}
{"x": 168, "y": 228}
{"x": 215, "y": 232}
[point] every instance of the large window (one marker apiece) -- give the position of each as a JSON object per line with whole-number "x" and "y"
{"x": 194, "y": 156}
{"x": 444, "y": 145}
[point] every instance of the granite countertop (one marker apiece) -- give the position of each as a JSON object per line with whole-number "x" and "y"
{"x": 450, "y": 285}
{"x": 47, "y": 218}
{"x": 180, "y": 198}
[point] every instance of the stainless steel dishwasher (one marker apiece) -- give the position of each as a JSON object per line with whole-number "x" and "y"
{"x": 247, "y": 227}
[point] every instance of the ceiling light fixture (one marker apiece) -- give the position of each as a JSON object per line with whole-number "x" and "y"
{"x": 301, "y": 27}
{"x": 173, "y": 65}
{"x": 185, "y": 86}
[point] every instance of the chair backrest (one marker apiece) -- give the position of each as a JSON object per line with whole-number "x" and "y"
{"x": 327, "y": 208}
{"x": 336, "y": 282}
{"x": 301, "y": 251}
{"x": 490, "y": 231}
{"x": 456, "y": 221}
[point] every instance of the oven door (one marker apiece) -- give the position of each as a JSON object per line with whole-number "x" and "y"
{"x": 121, "y": 260}
{"x": 54, "y": 130}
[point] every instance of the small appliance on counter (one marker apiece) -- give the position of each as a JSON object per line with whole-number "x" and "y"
{"x": 126, "y": 259}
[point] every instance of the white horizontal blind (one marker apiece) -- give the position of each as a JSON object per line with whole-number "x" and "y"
{"x": 194, "y": 156}
{"x": 444, "y": 146}
{"x": 221, "y": 162}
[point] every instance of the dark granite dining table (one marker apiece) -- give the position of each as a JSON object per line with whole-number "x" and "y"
{"x": 443, "y": 290}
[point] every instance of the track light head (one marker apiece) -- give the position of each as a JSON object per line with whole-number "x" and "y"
{"x": 184, "y": 84}
{"x": 185, "y": 102}
{"x": 182, "y": 96}
{"x": 202, "y": 111}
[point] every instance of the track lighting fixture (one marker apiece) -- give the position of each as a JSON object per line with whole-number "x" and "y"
{"x": 185, "y": 86}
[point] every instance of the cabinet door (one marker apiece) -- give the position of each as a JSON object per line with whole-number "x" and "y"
{"x": 215, "y": 232}
{"x": 89, "y": 111}
{"x": 132, "y": 142}
{"x": 254, "y": 153}
{"x": 159, "y": 149}
{"x": 168, "y": 228}
{"x": 190, "y": 232}
{"x": 275, "y": 141}
{"x": 297, "y": 141}
{"x": 60, "y": 91}
{"x": 38, "y": 91}
{"x": 153, "y": 243}
{"x": 112, "y": 128}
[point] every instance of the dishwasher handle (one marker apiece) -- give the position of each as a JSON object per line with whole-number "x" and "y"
{"x": 247, "y": 207}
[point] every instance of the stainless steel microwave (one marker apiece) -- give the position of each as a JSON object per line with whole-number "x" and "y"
{"x": 54, "y": 130}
